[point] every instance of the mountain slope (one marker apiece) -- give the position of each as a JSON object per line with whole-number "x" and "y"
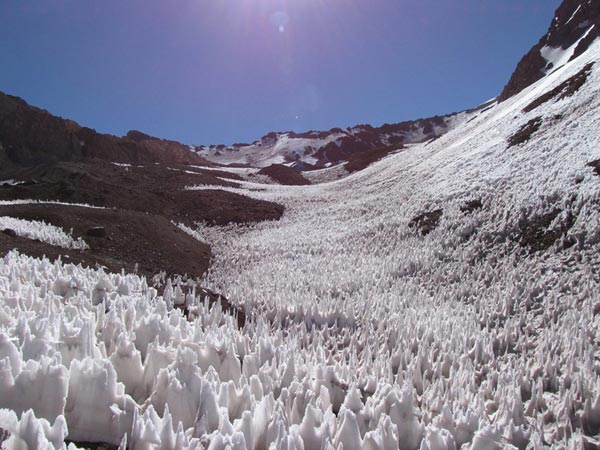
{"x": 575, "y": 26}
{"x": 30, "y": 136}
{"x": 469, "y": 253}
{"x": 318, "y": 149}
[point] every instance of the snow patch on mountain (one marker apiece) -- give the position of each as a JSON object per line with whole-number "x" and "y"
{"x": 557, "y": 56}
{"x": 323, "y": 149}
{"x": 42, "y": 231}
{"x": 10, "y": 182}
{"x": 277, "y": 150}
{"x": 47, "y": 202}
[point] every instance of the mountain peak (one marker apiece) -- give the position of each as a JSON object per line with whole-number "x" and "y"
{"x": 575, "y": 26}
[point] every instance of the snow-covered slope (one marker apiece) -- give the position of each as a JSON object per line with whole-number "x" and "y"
{"x": 318, "y": 149}
{"x": 364, "y": 331}
{"x": 42, "y": 231}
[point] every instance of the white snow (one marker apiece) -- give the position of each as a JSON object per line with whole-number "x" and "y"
{"x": 46, "y": 202}
{"x": 557, "y": 56}
{"x": 325, "y": 175}
{"x": 573, "y": 15}
{"x": 237, "y": 170}
{"x": 286, "y": 148}
{"x": 42, "y": 231}
{"x": 247, "y": 173}
{"x": 11, "y": 182}
{"x": 276, "y": 151}
{"x": 361, "y": 332}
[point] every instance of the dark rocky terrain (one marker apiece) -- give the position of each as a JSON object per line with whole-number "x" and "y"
{"x": 152, "y": 188}
{"x": 284, "y": 175}
{"x": 118, "y": 239}
{"x": 524, "y": 133}
{"x": 563, "y": 90}
{"x": 30, "y": 136}
{"x": 571, "y": 22}
{"x": 361, "y": 160}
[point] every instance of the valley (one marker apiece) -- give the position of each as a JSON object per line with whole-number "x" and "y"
{"x": 438, "y": 292}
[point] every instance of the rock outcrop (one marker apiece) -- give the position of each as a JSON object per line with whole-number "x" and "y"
{"x": 30, "y": 136}
{"x": 575, "y": 22}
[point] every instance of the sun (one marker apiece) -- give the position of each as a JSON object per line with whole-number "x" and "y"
{"x": 280, "y": 20}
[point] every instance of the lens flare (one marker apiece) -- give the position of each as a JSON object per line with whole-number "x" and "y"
{"x": 279, "y": 20}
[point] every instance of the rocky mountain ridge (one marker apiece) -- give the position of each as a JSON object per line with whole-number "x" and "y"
{"x": 575, "y": 26}
{"x": 31, "y": 136}
{"x": 320, "y": 149}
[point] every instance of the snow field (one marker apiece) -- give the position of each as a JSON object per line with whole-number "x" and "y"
{"x": 344, "y": 259}
{"x": 42, "y": 231}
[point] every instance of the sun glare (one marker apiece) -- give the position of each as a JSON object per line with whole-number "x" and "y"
{"x": 280, "y": 20}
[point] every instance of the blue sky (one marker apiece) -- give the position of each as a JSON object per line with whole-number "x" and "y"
{"x": 225, "y": 71}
